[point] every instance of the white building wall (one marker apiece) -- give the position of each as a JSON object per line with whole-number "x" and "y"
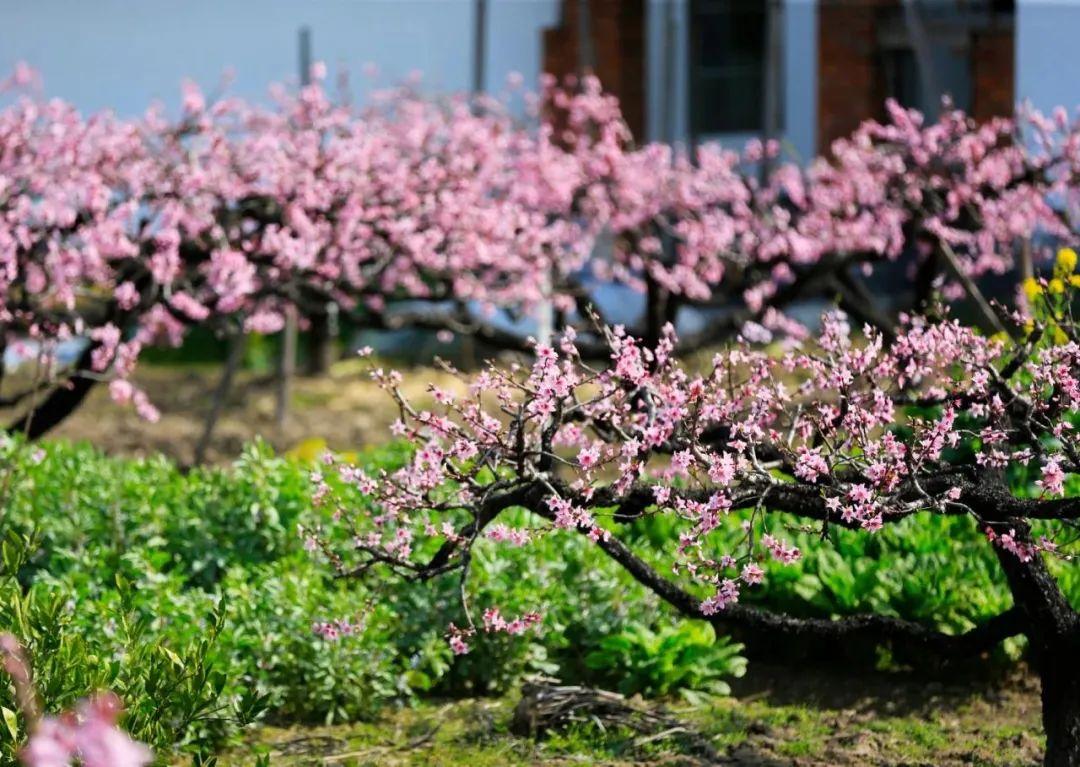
{"x": 123, "y": 54}
{"x": 666, "y": 42}
{"x": 801, "y": 76}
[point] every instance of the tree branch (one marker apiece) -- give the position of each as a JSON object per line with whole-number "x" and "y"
{"x": 770, "y": 635}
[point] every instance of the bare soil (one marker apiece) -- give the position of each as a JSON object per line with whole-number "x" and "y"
{"x": 346, "y": 409}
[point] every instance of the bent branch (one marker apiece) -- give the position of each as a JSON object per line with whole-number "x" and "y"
{"x": 771, "y": 635}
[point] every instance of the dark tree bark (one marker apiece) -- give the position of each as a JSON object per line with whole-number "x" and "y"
{"x": 857, "y": 300}
{"x": 1060, "y": 675}
{"x": 1040, "y": 611}
{"x": 237, "y": 343}
{"x": 1053, "y": 630}
{"x": 656, "y": 312}
{"x": 60, "y": 403}
{"x": 774, "y": 636}
{"x": 928, "y": 269}
{"x": 321, "y": 345}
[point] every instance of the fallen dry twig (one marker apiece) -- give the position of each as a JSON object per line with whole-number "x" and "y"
{"x": 547, "y": 705}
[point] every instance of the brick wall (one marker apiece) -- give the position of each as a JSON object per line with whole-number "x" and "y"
{"x": 992, "y": 61}
{"x": 618, "y": 43}
{"x": 850, "y": 84}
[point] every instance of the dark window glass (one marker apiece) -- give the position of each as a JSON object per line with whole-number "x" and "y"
{"x": 902, "y": 78}
{"x": 950, "y": 63}
{"x": 727, "y": 50}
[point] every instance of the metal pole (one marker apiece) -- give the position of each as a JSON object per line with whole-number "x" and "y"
{"x": 667, "y": 131}
{"x": 770, "y": 122}
{"x": 286, "y": 366}
{"x": 693, "y": 78}
{"x": 287, "y": 359}
{"x": 924, "y": 60}
{"x": 305, "y": 55}
{"x": 480, "y": 47}
{"x": 586, "y": 54}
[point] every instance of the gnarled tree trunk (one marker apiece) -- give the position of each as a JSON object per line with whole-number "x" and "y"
{"x": 321, "y": 344}
{"x": 1054, "y": 634}
{"x": 1059, "y": 670}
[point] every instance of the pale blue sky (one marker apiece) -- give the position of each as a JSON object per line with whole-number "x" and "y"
{"x": 123, "y": 54}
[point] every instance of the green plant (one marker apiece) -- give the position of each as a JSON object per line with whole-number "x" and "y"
{"x": 115, "y": 566}
{"x": 686, "y": 658}
{"x": 86, "y": 640}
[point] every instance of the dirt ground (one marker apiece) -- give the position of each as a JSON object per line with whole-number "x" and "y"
{"x": 776, "y": 718}
{"x": 345, "y": 408}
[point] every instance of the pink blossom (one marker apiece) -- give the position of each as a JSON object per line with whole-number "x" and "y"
{"x": 1053, "y": 478}
{"x": 89, "y": 735}
{"x": 588, "y": 457}
{"x": 752, "y": 573}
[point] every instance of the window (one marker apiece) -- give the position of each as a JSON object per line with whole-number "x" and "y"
{"x": 947, "y": 31}
{"x": 950, "y": 63}
{"x": 901, "y": 72}
{"x": 727, "y": 66}
{"x": 950, "y": 32}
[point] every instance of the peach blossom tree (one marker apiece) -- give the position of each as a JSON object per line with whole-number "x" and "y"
{"x": 846, "y": 429}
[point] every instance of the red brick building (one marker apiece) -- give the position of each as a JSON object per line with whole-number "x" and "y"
{"x": 866, "y": 52}
{"x": 691, "y": 69}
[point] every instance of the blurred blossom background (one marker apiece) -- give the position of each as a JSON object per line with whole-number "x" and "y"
{"x": 685, "y": 70}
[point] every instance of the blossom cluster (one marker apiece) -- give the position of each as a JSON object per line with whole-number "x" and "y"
{"x": 706, "y": 223}
{"x": 846, "y": 429}
{"x": 130, "y": 231}
{"x": 87, "y": 736}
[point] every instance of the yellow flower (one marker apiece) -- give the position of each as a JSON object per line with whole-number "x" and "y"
{"x": 1056, "y": 286}
{"x": 307, "y": 450}
{"x": 1066, "y": 261}
{"x": 1075, "y": 280}
{"x": 1032, "y": 288}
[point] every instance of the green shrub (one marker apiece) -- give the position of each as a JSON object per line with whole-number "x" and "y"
{"x": 146, "y": 641}
{"x": 929, "y": 568}
{"x": 269, "y": 645}
{"x": 686, "y": 658}
{"x": 89, "y": 510}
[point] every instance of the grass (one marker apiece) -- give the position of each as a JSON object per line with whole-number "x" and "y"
{"x": 345, "y": 408}
{"x": 818, "y": 719}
